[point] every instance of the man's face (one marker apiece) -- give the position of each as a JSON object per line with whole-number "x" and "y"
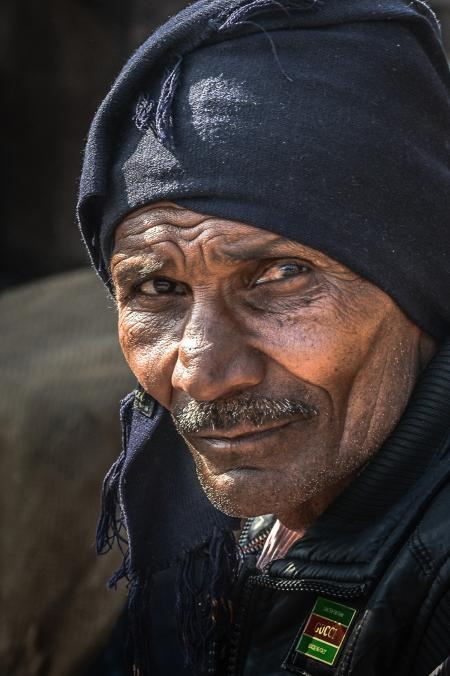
{"x": 283, "y": 370}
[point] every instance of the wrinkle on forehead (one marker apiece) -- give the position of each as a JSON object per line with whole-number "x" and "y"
{"x": 160, "y": 224}
{"x": 165, "y": 223}
{"x": 157, "y": 214}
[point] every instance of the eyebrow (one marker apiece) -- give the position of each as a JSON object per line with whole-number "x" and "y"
{"x": 136, "y": 269}
{"x": 276, "y": 248}
{"x": 243, "y": 254}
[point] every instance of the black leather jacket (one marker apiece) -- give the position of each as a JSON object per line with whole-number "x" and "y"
{"x": 366, "y": 591}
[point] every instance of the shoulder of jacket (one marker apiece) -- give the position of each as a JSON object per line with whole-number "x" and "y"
{"x": 431, "y": 537}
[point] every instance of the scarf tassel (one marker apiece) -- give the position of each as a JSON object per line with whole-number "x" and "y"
{"x": 111, "y": 527}
{"x": 139, "y": 624}
{"x": 205, "y": 579}
{"x": 204, "y": 591}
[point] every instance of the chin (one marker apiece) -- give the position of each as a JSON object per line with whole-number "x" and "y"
{"x": 241, "y": 493}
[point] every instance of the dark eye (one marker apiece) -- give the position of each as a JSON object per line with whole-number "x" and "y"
{"x": 161, "y": 286}
{"x": 281, "y": 271}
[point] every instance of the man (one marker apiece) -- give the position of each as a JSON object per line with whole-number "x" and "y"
{"x": 266, "y": 193}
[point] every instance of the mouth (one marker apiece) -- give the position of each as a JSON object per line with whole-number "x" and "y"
{"x": 241, "y": 435}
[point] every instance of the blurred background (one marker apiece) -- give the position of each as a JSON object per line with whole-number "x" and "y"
{"x": 61, "y": 372}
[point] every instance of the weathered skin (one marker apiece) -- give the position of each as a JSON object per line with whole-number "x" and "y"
{"x": 210, "y": 310}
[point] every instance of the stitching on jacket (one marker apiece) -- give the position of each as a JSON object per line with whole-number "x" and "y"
{"x": 421, "y": 553}
{"x": 425, "y": 6}
{"x": 440, "y": 581}
{"x": 348, "y": 654}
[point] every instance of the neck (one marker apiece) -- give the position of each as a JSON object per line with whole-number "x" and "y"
{"x": 305, "y": 514}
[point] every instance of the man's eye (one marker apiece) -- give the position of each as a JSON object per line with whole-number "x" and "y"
{"x": 281, "y": 271}
{"x": 161, "y": 286}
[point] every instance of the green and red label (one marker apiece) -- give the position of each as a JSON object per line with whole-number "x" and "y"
{"x": 325, "y": 630}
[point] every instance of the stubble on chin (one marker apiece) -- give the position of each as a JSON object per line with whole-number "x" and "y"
{"x": 296, "y": 497}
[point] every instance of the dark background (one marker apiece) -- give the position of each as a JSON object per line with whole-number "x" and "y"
{"x": 58, "y": 59}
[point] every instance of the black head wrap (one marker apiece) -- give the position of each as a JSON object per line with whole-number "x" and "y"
{"x": 326, "y": 121}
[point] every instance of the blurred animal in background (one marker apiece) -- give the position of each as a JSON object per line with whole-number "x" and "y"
{"x": 62, "y": 376}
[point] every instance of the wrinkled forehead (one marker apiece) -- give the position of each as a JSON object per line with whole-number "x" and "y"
{"x": 157, "y": 227}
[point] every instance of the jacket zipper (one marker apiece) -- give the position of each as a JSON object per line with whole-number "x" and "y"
{"x": 266, "y": 581}
{"x": 255, "y": 545}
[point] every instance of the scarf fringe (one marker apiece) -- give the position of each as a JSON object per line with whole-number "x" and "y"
{"x": 110, "y": 525}
{"x": 204, "y": 585}
{"x": 204, "y": 597}
{"x": 139, "y": 624}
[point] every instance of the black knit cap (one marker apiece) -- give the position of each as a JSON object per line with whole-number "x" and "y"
{"x": 325, "y": 121}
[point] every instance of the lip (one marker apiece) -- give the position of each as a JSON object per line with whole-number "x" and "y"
{"x": 240, "y": 435}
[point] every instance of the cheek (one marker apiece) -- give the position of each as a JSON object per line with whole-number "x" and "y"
{"x": 325, "y": 344}
{"x": 318, "y": 352}
{"x": 149, "y": 345}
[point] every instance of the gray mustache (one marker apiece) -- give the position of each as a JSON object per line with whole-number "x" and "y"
{"x": 228, "y": 413}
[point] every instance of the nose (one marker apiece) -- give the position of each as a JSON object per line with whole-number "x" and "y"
{"x": 214, "y": 358}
